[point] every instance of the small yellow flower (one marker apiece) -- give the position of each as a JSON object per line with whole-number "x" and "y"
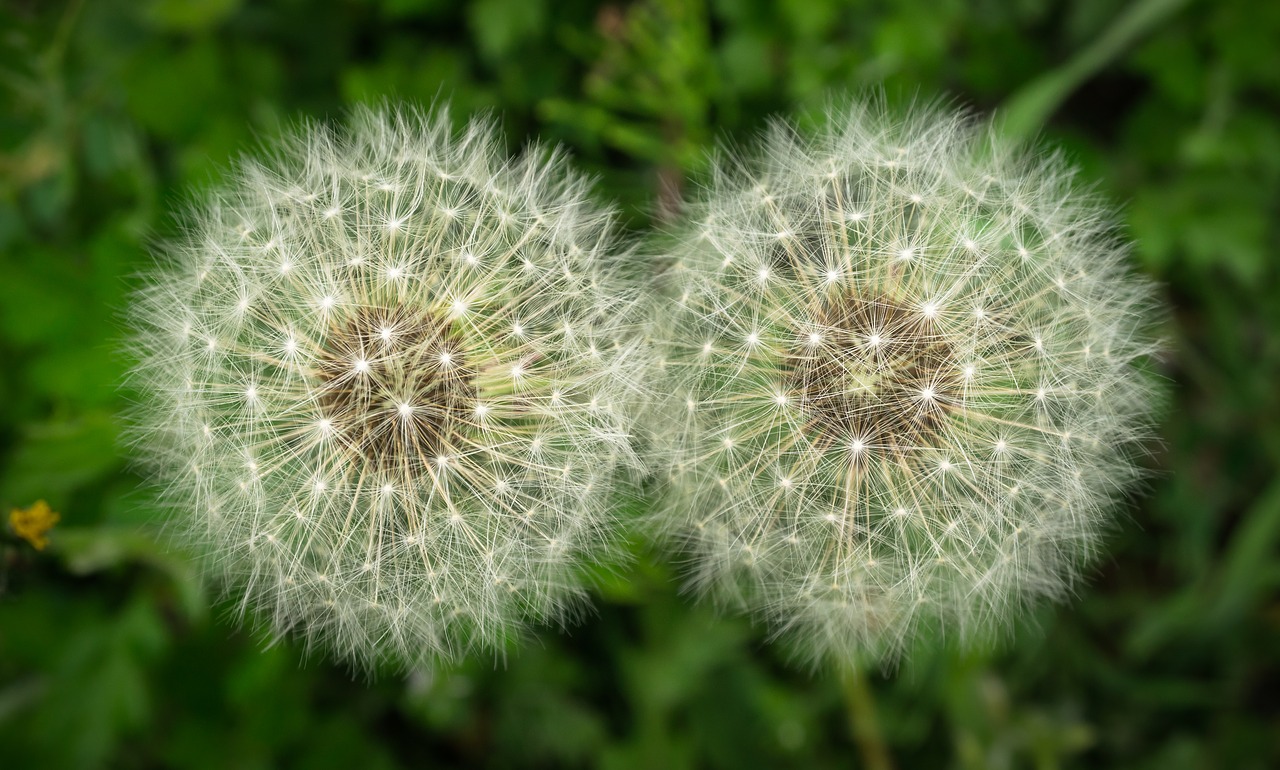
{"x": 32, "y": 523}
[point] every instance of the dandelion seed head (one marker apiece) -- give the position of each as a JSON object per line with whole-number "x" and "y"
{"x": 366, "y": 480}
{"x": 961, "y": 343}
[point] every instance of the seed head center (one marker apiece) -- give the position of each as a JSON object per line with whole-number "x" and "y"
{"x": 883, "y": 376}
{"x": 396, "y": 386}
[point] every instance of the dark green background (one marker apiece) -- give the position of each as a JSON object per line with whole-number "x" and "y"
{"x": 111, "y": 654}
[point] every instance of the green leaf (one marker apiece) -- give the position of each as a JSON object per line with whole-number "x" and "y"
{"x": 54, "y": 459}
{"x": 1027, "y": 111}
{"x": 500, "y": 26}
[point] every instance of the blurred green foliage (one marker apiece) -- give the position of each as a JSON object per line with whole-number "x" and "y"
{"x": 112, "y": 653}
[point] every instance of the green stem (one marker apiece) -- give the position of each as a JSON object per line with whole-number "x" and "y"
{"x": 863, "y": 723}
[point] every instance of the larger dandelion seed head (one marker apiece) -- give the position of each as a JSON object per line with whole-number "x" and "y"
{"x": 388, "y": 377}
{"x": 903, "y": 357}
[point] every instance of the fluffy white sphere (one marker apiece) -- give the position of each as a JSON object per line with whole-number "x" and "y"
{"x": 902, "y": 354}
{"x": 388, "y": 382}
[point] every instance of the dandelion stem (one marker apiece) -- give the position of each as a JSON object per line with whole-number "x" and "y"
{"x": 863, "y": 724}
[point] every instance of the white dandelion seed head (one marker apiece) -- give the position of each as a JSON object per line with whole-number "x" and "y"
{"x": 375, "y": 486}
{"x": 929, "y": 477}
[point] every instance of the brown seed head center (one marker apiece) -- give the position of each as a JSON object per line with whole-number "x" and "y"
{"x": 874, "y": 373}
{"x": 396, "y": 386}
